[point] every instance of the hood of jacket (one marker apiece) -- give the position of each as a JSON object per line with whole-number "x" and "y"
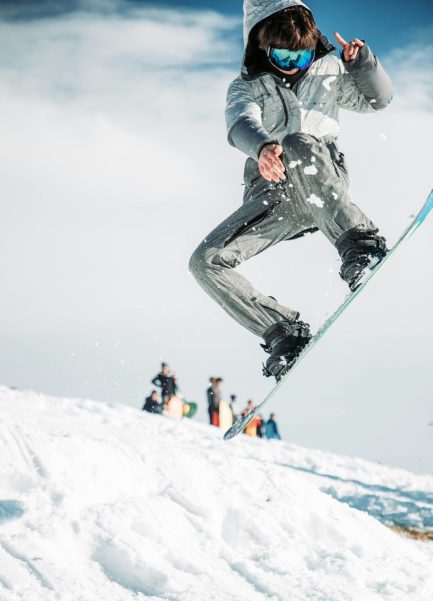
{"x": 256, "y": 11}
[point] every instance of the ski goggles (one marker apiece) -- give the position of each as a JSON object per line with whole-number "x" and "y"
{"x": 287, "y": 60}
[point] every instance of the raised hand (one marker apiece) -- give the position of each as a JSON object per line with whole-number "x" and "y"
{"x": 271, "y": 166}
{"x": 350, "y": 49}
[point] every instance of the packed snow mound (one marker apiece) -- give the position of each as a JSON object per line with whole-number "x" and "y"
{"x": 104, "y": 502}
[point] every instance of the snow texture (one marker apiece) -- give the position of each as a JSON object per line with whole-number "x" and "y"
{"x": 103, "y": 502}
{"x": 310, "y": 170}
{"x": 315, "y": 200}
{"x": 294, "y": 164}
{"x": 327, "y": 82}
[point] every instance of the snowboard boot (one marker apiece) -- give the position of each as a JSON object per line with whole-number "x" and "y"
{"x": 360, "y": 251}
{"x": 284, "y": 341}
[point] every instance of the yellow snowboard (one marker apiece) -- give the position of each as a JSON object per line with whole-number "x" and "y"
{"x": 175, "y": 408}
{"x": 225, "y": 416}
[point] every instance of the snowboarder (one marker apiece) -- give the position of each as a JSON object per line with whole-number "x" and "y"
{"x": 167, "y": 382}
{"x": 152, "y": 404}
{"x": 282, "y": 111}
{"x": 271, "y": 428}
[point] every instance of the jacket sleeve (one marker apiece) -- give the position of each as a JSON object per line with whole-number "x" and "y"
{"x": 244, "y": 120}
{"x": 156, "y": 381}
{"x": 363, "y": 85}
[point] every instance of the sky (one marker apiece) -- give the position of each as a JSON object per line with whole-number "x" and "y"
{"x": 114, "y": 165}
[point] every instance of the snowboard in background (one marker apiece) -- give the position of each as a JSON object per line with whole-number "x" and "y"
{"x": 175, "y": 408}
{"x": 243, "y": 422}
{"x": 225, "y": 415}
{"x": 189, "y": 409}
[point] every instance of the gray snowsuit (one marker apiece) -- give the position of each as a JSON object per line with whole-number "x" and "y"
{"x": 261, "y": 108}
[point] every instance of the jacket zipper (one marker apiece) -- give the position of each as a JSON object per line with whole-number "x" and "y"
{"x": 286, "y": 112}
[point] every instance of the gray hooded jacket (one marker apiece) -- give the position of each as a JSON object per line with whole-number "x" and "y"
{"x": 262, "y": 108}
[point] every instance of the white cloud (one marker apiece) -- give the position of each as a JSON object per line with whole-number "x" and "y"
{"x": 114, "y": 163}
{"x": 412, "y": 71}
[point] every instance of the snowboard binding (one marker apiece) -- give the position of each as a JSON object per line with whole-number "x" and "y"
{"x": 360, "y": 251}
{"x": 284, "y": 341}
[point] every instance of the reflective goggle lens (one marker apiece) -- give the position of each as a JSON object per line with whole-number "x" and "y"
{"x": 291, "y": 59}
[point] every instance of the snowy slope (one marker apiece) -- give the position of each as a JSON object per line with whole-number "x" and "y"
{"x": 101, "y": 502}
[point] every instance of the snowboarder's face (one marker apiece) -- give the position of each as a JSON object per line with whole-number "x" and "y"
{"x": 289, "y": 38}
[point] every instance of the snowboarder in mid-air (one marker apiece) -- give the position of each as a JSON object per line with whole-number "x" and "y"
{"x": 282, "y": 111}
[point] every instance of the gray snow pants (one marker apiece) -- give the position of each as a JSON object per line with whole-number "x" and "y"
{"x": 314, "y": 196}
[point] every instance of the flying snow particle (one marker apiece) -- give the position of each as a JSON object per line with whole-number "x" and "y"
{"x": 326, "y": 83}
{"x": 373, "y": 101}
{"x": 265, "y": 202}
{"x": 294, "y": 164}
{"x": 313, "y": 159}
{"x": 315, "y": 200}
{"x": 310, "y": 170}
{"x": 383, "y": 136}
{"x": 335, "y": 195}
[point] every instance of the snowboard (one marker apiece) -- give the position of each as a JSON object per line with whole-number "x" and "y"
{"x": 189, "y": 409}
{"x": 225, "y": 415}
{"x": 175, "y": 408}
{"x": 243, "y": 422}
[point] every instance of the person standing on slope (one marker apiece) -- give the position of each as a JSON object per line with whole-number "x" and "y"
{"x": 271, "y": 428}
{"x": 214, "y": 398}
{"x": 255, "y": 424}
{"x": 283, "y": 112}
{"x": 167, "y": 381}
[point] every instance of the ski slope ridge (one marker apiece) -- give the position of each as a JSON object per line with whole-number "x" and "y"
{"x": 102, "y": 502}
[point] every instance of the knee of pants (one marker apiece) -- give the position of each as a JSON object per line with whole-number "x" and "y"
{"x": 297, "y": 143}
{"x": 196, "y": 262}
{"x": 201, "y": 261}
{"x": 206, "y": 261}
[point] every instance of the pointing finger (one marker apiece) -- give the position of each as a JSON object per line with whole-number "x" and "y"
{"x": 339, "y": 39}
{"x": 352, "y": 50}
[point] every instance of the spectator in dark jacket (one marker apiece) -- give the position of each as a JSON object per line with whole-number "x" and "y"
{"x": 261, "y": 426}
{"x": 234, "y": 407}
{"x": 214, "y": 397}
{"x": 209, "y": 396}
{"x": 152, "y": 404}
{"x": 166, "y": 381}
{"x": 271, "y": 428}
